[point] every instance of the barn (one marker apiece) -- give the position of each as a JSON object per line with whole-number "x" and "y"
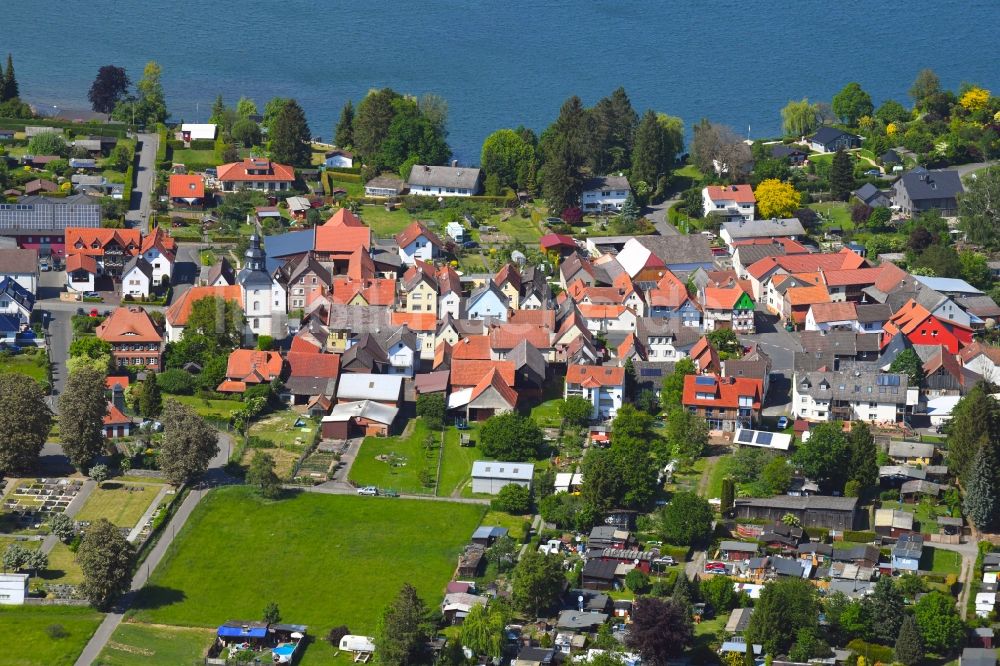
{"x": 836, "y": 513}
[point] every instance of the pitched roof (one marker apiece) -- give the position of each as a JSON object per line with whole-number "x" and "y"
{"x": 81, "y": 262}
{"x": 618, "y": 182}
{"x": 806, "y": 263}
{"x": 595, "y": 375}
{"x": 737, "y": 193}
{"x": 307, "y": 364}
{"x": 826, "y": 134}
{"x": 705, "y": 356}
{"x": 417, "y": 321}
{"x": 252, "y": 366}
{"x": 921, "y": 184}
{"x": 128, "y": 324}
{"x": 824, "y": 313}
{"x": 506, "y": 336}
{"x": 852, "y": 276}
{"x": 86, "y": 238}
{"x": 807, "y": 295}
{"x": 160, "y": 240}
{"x": 184, "y": 186}
{"x": 376, "y": 291}
{"x": 764, "y": 228}
{"x": 240, "y": 171}
{"x": 679, "y": 250}
{"x": 722, "y": 298}
{"x": 726, "y": 391}
{"x": 15, "y": 260}
{"x": 343, "y": 233}
{"x": 468, "y": 372}
{"x": 494, "y": 379}
{"x": 527, "y": 355}
{"x": 115, "y": 416}
{"x": 179, "y": 311}
{"x": 444, "y": 176}
{"x": 977, "y": 348}
{"x": 415, "y": 230}
{"x": 553, "y": 241}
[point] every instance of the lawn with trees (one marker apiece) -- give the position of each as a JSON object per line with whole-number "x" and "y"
{"x": 406, "y": 463}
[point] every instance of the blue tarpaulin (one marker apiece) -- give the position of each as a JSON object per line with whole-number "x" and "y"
{"x": 229, "y": 631}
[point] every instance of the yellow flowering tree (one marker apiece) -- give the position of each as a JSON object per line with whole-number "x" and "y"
{"x": 975, "y": 99}
{"x": 891, "y": 129}
{"x": 776, "y": 199}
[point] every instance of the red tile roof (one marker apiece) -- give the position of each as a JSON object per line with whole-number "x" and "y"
{"x": 81, "y": 262}
{"x": 506, "y": 336}
{"x": 307, "y": 364}
{"x": 160, "y": 240}
{"x": 593, "y": 376}
{"x": 473, "y": 347}
{"x": 545, "y": 318}
{"x": 179, "y": 311}
{"x": 239, "y": 171}
{"x": 705, "y": 356}
{"x": 726, "y": 391}
{"x": 303, "y": 345}
{"x": 722, "y": 298}
{"x": 976, "y": 348}
{"x": 183, "y": 186}
{"x": 807, "y": 295}
{"x": 852, "y": 276}
{"x": 553, "y": 241}
{"x": 253, "y": 367}
{"x": 601, "y": 311}
{"x": 805, "y": 263}
{"x": 507, "y": 273}
{"x": 130, "y": 324}
{"x": 415, "y": 230}
{"x": 495, "y": 379}
{"x": 115, "y": 416}
{"x": 110, "y": 382}
{"x": 86, "y": 238}
{"x": 824, "y": 313}
{"x": 343, "y": 234}
{"x": 377, "y": 291}
{"x": 469, "y": 372}
{"x": 737, "y": 193}
{"x": 417, "y": 321}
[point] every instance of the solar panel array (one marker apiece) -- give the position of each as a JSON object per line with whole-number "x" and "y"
{"x": 703, "y": 380}
{"x": 745, "y": 436}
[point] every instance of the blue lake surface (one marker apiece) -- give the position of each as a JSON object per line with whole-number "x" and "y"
{"x": 504, "y": 64}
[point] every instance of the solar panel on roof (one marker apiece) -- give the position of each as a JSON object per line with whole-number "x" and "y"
{"x": 702, "y": 380}
{"x": 887, "y": 380}
{"x": 764, "y": 438}
{"x": 650, "y": 372}
{"x": 745, "y": 436}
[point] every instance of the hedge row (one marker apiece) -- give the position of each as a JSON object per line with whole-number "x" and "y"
{"x": 344, "y": 176}
{"x": 356, "y": 170}
{"x": 129, "y": 178}
{"x": 202, "y": 144}
{"x": 103, "y": 129}
{"x": 859, "y": 537}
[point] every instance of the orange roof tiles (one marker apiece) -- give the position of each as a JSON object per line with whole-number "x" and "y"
{"x": 805, "y": 263}
{"x": 737, "y": 193}
{"x": 304, "y": 345}
{"x": 415, "y": 230}
{"x": 595, "y": 375}
{"x": 545, "y": 318}
{"x": 807, "y": 295}
{"x": 82, "y": 240}
{"x": 81, "y": 262}
{"x": 110, "y": 382}
{"x": 824, "y": 313}
{"x": 495, "y": 380}
{"x": 307, "y": 364}
{"x": 377, "y": 291}
{"x": 507, "y": 273}
{"x": 908, "y": 317}
{"x": 240, "y": 171}
{"x": 722, "y": 298}
{"x": 726, "y": 391}
{"x": 179, "y": 311}
{"x": 506, "y": 336}
{"x": 115, "y": 416}
{"x": 130, "y": 324}
{"x": 160, "y": 240}
{"x": 360, "y": 266}
{"x": 253, "y": 367}
{"x": 469, "y": 372}
{"x": 417, "y": 321}
{"x": 852, "y": 276}
{"x": 473, "y": 347}
{"x": 601, "y": 311}
{"x": 343, "y": 233}
{"x": 184, "y": 186}
{"x": 705, "y": 356}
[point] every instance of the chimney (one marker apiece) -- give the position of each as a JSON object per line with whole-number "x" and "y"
{"x": 118, "y": 397}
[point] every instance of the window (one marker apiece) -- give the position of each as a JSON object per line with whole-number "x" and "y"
{"x": 256, "y": 306}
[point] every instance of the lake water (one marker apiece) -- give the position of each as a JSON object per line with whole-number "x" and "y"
{"x": 504, "y": 64}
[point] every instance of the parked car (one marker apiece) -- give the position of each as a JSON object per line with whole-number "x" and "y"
{"x": 666, "y": 561}
{"x": 93, "y": 312}
{"x": 370, "y": 491}
{"x": 91, "y": 294}
{"x": 782, "y": 422}
{"x": 43, "y": 266}
{"x": 873, "y": 172}
{"x": 470, "y": 245}
{"x": 715, "y": 567}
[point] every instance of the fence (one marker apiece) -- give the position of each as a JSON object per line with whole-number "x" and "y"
{"x": 38, "y": 601}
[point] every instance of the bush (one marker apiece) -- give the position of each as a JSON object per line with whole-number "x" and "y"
{"x": 860, "y": 537}
{"x": 56, "y": 631}
{"x": 202, "y": 144}
{"x": 637, "y": 581}
{"x": 512, "y": 498}
{"x": 872, "y": 652}
{"x": 176, "y": 381}
{"x": 336, "y": 634}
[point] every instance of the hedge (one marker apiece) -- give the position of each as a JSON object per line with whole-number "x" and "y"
{"x": 355, "y": 170}
{"x": 345, "y": 176}
{"x": 161, "y": 148}
{"x": 105, "y": 129}
{"x": 202, "y": 144}
{"x": 859, "y": 537}
{"x": 129, "y": 178}
{"x": 175, "y": 144}
{"x": 872, "y": 652}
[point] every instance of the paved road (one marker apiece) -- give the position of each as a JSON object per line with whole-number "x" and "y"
{"x": 964, "y": 169}
{"x": 969, "y": 552}
{"x": 657, "y": 214}
{"x": 145, "y": 178}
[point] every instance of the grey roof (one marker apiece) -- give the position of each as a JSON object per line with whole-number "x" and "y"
{"x": 764, "y": 228}
{"x": 813, "y": 547}
{"x": 922, "y": 184}
{"x": 909, "y": 546}
{"x": 489, "y": 532}
{"x": 368, "y": 409}
{"x": 293, "y": 242}
{"x": 901, "y": 449}
{"x": 306, "y": 264}
{"x": 221, "y": 269}
{"x": 902, "y": 472}
{"x": 741, "y": 546}
{"x": 890, "y": 157}
{"x": 750, "y": 254}
{"x": 618, "y": 182}
{"x": 367, "y": 353}
{"x": 659, "y": 327}
{"x": 573, "y": 619}
{"x": 739, "y": 620}
{"x": 856, "y": 386}
{"x": 311, "y": 385}
{"x": 779, "y": 151}
{"x": 494, "y": 469}
{"x": 811, "y": 502}
{"x": 868, "y": 193}
{"x": 16, "y": 260}
{"x": 827, "y": 134}
{"x": 785, "y": 566}
{"x": 357, "y": 318}
{"x": 868, "y": 342}
{"x": 865, "y": 552}
{"x": 139, "y": 262}
{"x": 690, "y": 249}
{"x": 387, "y": 181}
{"x": 525, "y": 354}
{"x": 920, "y": 486}
{"x": 444, "y": 176}
{"x": 981, "y": 306}
{"x": 841, "y": 343}
{"x": 390, "y": 337}
{"x": 872, "y": 312}
{"x": 978, "y": 657}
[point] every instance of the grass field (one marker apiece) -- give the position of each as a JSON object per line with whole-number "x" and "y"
{"x": 122, "y": 504}
{"x": 324, "y": 559}
{"x": 156, "y": 645}
{"x": 195, "y": 159}
{"x": 27, "y": 642}
{"x": 456, "y": 464}
{"x": 515, "y": 524}
{"x": 836, "y": 214}
{"x": 408, "y": 455}
{"x": 31, "y": 365}
{"x": 941, "y": 561}
{"x": 383, "y": 222}
{"x": 215, "y": 409}
{"x": 63, "y": 569}
{"x": 280, "y": 428}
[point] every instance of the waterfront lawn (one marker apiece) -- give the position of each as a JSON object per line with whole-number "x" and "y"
{"x": 28, "y": 642}
{"x": 214, "y": 409}
{"x": 121, "y": 503}
{"x": 406, "y": 455}
{"x": 326, "y": 560}
{"x": 456, "y": 463}
{"x": 161, "y": 644}
{"x": 196, "y": 160}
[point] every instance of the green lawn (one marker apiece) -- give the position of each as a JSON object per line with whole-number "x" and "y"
{"x": 122, "y": 504}
{"x": 325, "y": 560}
{"x": 383, "y": 222}
{"x": 195, "y": 159}
{"x": 156, "y": 645}
{"x": 280, "y": 428}
{"x": 836, "y": 214}
{"x": 503, "y": 519}
{"x": 402, "y": 459}
{"x": 518, "y": 228}
{"x": 941, "y": 561}
{"x": 215, "y": 409}
{"x": 546, "y": 414}
{"x": 456, "y": 464}
{"x": 63, "y": 569}
{"x": 688, "y": 171}
{"x": 27, "y": 642}
{"x": 719, "y": 471}
{"x": 33, "y": 365}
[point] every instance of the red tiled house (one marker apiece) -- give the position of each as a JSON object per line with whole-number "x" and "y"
{"x": 133, "y": 337}
{"x": 256, "y": 173}
{"x": 339, "y": 238}
{"x": 920, "y": 327}
{"x": 249, "y": 367}
{"x": 110, "y": 248}
{"x": 727, "y": 403}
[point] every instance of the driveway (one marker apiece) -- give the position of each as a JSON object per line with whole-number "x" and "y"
{"x": 139, "y": 205}
{"x": 657, "y": 214}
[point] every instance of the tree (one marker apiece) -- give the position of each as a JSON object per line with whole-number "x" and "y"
{"x": 431, "y": 408}
{"x": 576, "y": 410}
{"x": 218, "y": 115}
{"x": 885, "y": 604}
{"x": 290, "y": 136}
{"x": 411, "y": 136}
{"x": 272, "y": 614}
{"x": 980, "y": 503}
{"x": 483, "y": 628}
{"x": 151, "y": 105}
{"x": 909, "y": 646}
{"x": 975, "y": 419}
{"x": 510, "y": 437}
{"x": 974, "y": 99}
{"x": 941, "y": 628}
{"x": 105, "y": 557}
{"x": 614, "y": 124}
{"x": 401, "y": 631}
{"x": 538, "y": 582}
{"x": 602, "y": 482}
{"x": 661, "y": 630}
{"x": 372, "y": 120}
{"x": 82, "y": 407}
{"x": 503, "y": 553}
{"x": 149, "y": 400}
{"x": 776, "y": 199}
{"x": 718, "y": 149}
{"x": 687, "y": 434}
{"x": 800, "y": 118}
{"x": 343, "y": 134}
{"x": 776, "y": 476}
{"x": 218, "y": 320}
{"x": 261, "y": 476}
{"x": 908, "y": 363}
{"x": 673, "y": 384}
{"x": 188, "y": 443}
{"x": 687, "y": 519}
{"x": 25, "y": 421}
{"x": 271, "y": 111}
{"x": 245, "y": 107}
{"x": 633, "y": 458}
{"x": 48, "y": 143}
{"x": 975, "y": 269}
{"x": 99, "y": 473}
{"x": 851, "y": 103}
{"x": 246, "y": 132}
{"x": 506, "y": 155}
{"x": 562, "y": 179}
{"x": 62, "y": 526}
{"x": 822, "y": 457}
{"x": 785, "y": 606}
{"x": 892, "y": 111}
{"x": 841, "y": 176}
{"x": 729, "y": 494}
{"x": 637, "y": 581}
{"x": 9, "y": 90}
{"x": 512, "y": 498}
{"x": 654, "y": 151}
{"x": 863, "y": 464}
{"x": 979, "y": 209}
{"x": 718, "y": 592}
{"x": 940, "y": 260}
{"x": 924, "y": 86}
{"x": 435, "y": 109}
{"x": 109, "y": 87}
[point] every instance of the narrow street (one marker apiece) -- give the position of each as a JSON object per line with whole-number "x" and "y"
{"x": 145, "y": 174}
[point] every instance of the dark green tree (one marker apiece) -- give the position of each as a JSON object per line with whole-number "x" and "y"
{"x": 926, "y": 85}
{"x": 975, "y": 420}
{"x": 412, "y": 138}
{"x": 980, "y": 503}
{"x": 575, "y": 410}
{"x": 822, "y": 457}
{"x": 614, "y": 126}
{"x": 511, "y": 437}
{"x": 25, "y": 421}
{"x": 886, "y": 604}
{"x": 864, "y": 465}
{"x": 188, "y": 443}
{"x": 271, "y": 111}
{"x": 513, "y": 498}
{"x": 344, "y": 132}
{"x": 105, "y": 556}
{"x": 673, "y": 384}
{"x": 784, "y": 607}
{"x": 908, "y": 363}
{"x": 218, "y": 322}
{"x": 841, "y": 176}
{"x": 979, "y": 211}
{"x": 109, "y": 87}
{"x": 602, "y": 483}
{"x": 538, "y": 583}
{"x": 940, "y": 625}
{"x": 909, "y": 645}
{"x": 687, "y": 519}
{"x": 371, "y": 122}
{"x": 719, "y": 593}
{"x": 402, "y": 630}
{"x": 941, "y": 260}
{"x": 892, "y": 111}
{"x": 728, "y": 494}
{"x": 654, "y": 153}
{"x": 776, "y": 475}
{"x": 851, "y": 103}
{"x": 431, "y": 408}
{"x": 150, "y": 402}
{"x": 218, "y": 115}
{"x": 687, "y": 434}
{"x": 10, "y": 90}
{"x": 82, "y": 407}
{"x": 290, "y": 136}
{"x": 261, "y": 476}
{"x": 633, "y": 458}
{"x": 506, "y": 155}
{"x": 246, "y": 132}
{"x": 562, "y": 178}
{"x": 661, "y": 630}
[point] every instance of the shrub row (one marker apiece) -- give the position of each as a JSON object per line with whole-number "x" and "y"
{"x": 202, "y": 144}
{"x": 93, "y": 127}
{"x": 859, "y": 537}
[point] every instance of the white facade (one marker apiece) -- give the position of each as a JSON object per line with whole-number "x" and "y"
{"x": 606, "y": 400}
{"x": 984, "y": 365}
{"x": 491, "y": 476}
{"x": 450, "y": 303}
{"x": 728, "y": 208}
{"x": 339, "y": 161}
{"x": 162, "y": 265}
{"x": 135, "y": 283}
{"x": 401, "y": 360}
{"x": 603, "y": 199}
{"x": 806, "y": 407}
{"x": 661, "y": 348}
{"x": 438, "y": 191}
{"x": 265, "y": 309}
{"x": 27, "y": 280}
{"x": 13, "y": 588}
{"x": 624, "y": 322}
{"x": 80, "y": 285}
{"x": 419, "y": 248}
{"x": 487, "y": 304}
{"x": 456, "y": 231}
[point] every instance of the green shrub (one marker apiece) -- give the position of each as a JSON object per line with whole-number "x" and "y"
{"x": 872, "y": 652}
{"x": 512, "y": 498}
{"x": 860, "y": 537}
{"x": 176, "y": 381}
{"x": 201, "y": 144}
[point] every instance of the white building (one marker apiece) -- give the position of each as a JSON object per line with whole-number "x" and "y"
{"x": 852, "y": 396}
{"x": 455, "y": 231}
{"x": 444, "y": 181}
{"x": 13, "y": 588}
{"x": 490, "y": 476}
{"x": 197, "y": 132}
{"x": 418, "y": 242}
{"x": 602, "y": 386}
{"x": 604, "y": 194}
{"x": 339, "y": 159}
{"x": 160, "y": 250}
{"x": 742, "y": 229}
{"x": 732, "y": 202}
{"x": 137, "y": 278}
{"x": 21, "y": 266}
{"x": 264, "y": 298}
